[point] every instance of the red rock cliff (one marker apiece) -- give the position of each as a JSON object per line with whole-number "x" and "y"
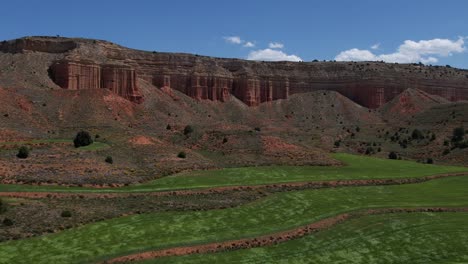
{"x": 370, "y": 84}
{"x": 79, "y": 75}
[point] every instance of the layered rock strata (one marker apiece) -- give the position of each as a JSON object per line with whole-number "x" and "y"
{"x": 79, "y": 75}
{"x": 370, "y": 84}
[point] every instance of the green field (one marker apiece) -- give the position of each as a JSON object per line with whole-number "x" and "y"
{"x": 399, "y": 238}
{"x": 357, "y": 167}
{"x": 274, "y": 213}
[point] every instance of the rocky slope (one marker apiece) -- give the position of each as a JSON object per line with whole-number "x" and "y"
{"x": 92, "y": 64}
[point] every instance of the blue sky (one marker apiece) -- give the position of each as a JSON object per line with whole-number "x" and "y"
{"x": 435, "y": 31}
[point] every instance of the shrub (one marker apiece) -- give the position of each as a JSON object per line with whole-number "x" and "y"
{"x": 225, "y": 140}
{"x": 66, "y": 213}
{"x": 446, "y": 151}
{"x": 458, "y": 134}
{"x": 369, "y": 150}
{"x": 2, "y": 206}
{"x": 392, "y": 155}
{"x": 188, "y": 130}
{"x": 23, "y": 152}
{"x": 83, "y": 138}
{"x": 109, "y": 160}
{"x": 417, "y": 134}
{"x": 7, "y": 222}
{"x": 97, "y": 136}
{"x": 168, "y": 127}
{"x": 182, "y": 155}
{"x": 337, "y": 143}
{"x": 358, "y": 129}
{"x": 430, "y": 161}
{"x": 257, "y": 129}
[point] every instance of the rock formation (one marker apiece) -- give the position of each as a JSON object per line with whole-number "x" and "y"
{"x": 89, "y": 64}
{"x": 79, "y": 75}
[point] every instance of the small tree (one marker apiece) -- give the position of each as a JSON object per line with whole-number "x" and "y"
{"x": 109, "y": 160}
{"x": 369, "y": 150}
{"x": 7, "y": 222}
{"x": 2, "y": 206}
{"x": 337, "y": 143}
{"x": 66, "y": 214}
{"x": 188, "y": 130}
{"x": 23, "y": 152}
{"x": 417, "y": 134}
{"x": 83, "y": 138}
{"x": 392, "y": 155}
{"x": 182, "y": 155}
{"x": 458, "y": 134}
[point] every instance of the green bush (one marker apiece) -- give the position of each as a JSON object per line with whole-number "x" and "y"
{"x": 182, "y": 155}
{"x": 23, "y": 152}
{"x": 337, "y": 143}
{"x": 188, "y": 130}
{"x": 2, "y": 206}
{"x": 458, "y": 134}
{"x": 370, "y": 151}
{"x": 83, "y": 138}
{"x": 417, "y": 134}
{"x": 66, "y": 214}
{"x": 109, "y": 160}
{"x": 392, "y": 155}
{"x": 7, "y": 222}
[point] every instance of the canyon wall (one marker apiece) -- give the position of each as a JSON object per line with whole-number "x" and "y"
{"x": 79, "y": 75}
{"x": 92, "y": 64}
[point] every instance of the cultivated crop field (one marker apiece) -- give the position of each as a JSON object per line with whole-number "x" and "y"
{"x": 410, "y": 222}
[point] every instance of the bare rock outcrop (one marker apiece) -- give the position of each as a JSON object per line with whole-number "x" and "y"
{"x": 101, "y": 64}
{"x": 79, "y": 75}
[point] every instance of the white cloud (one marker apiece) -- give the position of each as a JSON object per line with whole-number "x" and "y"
{"x": 425, "y": 51}
{"x": 233, "y": 39}
{"x": 375, "y": 46}
{"x": 355, "y": 55}
{"x": 271, "y": 55}
{"x": 276, "y": 45}
{"x": 249, "y": 44}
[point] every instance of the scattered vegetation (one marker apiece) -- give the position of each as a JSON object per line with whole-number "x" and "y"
{"x": 82, "y": 138}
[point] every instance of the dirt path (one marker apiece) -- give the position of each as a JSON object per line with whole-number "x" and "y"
{"x": 275, "y": 238}
{"x": 274, "y": 187}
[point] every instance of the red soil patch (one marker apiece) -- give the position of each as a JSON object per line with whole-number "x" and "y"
{"x": 276, "y": 144}
{"x": 275, "y": 238}
{"x": 142, "y": 140}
